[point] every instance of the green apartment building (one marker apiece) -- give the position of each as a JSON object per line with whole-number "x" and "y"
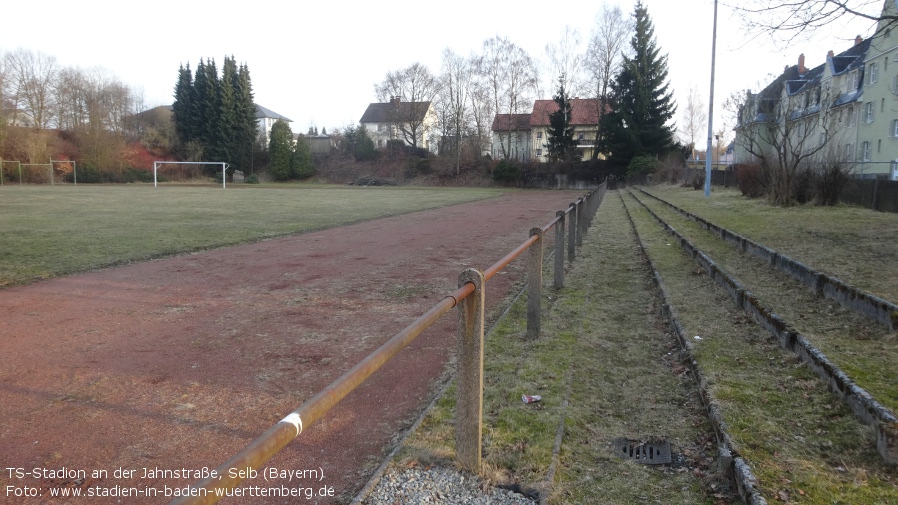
{"x": 844, "y": 110}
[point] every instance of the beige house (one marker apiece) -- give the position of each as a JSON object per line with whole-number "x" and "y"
{"x": 511, "y": 137}
{"x": 412, "y": 123}
{"x": 523, "y": 137}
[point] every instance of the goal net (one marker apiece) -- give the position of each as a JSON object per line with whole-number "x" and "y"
{"x": 185, "y": 164}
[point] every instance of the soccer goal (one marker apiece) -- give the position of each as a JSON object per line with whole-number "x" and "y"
{"x": 224, "y": 169}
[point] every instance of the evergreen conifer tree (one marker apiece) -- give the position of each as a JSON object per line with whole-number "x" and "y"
{"x": 560, "y": 136}
{"x": 280, "y": 151}
{"x": 302, "y": 164}
{"x": 226, "y": 127}
{"x": 181, "y": 107}
{"x": 247, "y": 125}
{"x": 642, "y": 103}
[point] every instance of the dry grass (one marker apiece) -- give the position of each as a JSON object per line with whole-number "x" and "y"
{"x": 854, "y": 244}
{"x": 860, "y": 347}
{"x": 801, "y": 442}
{"x": 604, "y": 350}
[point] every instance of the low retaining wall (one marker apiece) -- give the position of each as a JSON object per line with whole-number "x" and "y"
{"x": 727, "y": 457}
{"x": 861, "y": 403}
{"x": 868, "y": 304}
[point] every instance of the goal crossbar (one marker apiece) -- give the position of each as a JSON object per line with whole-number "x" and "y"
{"x": 224, "y": 168}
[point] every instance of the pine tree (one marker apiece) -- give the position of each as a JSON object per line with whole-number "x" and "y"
{"x": 302, "y": 163}
{"x": 280, "y": 151}
{"x": 642, "y": 103}
{"x": 560, "y": 137}
{"x": 225, "y": 130}
{"x": 247, "y": 126}
{"x": 215, "y": 118}
{"x": 181, "y": 107}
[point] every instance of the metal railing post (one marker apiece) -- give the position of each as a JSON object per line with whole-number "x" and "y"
{"x": 572, "y": 233}
{"x": 559, "y": 250}
{"x": 581, "y": 221}
{"x": 469, "y": 382}
{"x": 534, "y": 284}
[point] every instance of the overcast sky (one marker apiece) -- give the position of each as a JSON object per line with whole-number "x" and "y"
{"x": 317, "y": 62}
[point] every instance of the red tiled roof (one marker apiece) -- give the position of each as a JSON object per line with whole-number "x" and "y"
{"x": 506, "y": 122}
{"x": 584, "y": 111}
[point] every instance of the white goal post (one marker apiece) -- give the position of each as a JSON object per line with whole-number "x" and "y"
{"x": 224, "y": 168}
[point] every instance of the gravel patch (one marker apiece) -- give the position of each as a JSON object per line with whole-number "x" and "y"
{"x": 439, "y": 485}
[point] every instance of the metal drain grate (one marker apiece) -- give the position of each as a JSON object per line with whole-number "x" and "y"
{"x": 646, "y": 453}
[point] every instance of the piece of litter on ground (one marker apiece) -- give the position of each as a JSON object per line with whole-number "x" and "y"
{"x": 531, "y": 398}
{"x": 697, "y": 337}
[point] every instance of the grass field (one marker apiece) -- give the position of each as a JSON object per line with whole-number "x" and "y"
{"x": 47, "y": 231}
{"x": 854, "y": 244}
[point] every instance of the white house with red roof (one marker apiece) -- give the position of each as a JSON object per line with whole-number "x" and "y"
{"x": 523, "y": 137}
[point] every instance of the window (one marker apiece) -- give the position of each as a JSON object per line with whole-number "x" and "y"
{"x": 822, "y": 139}
{"x": 868, "y": 112}
{"x": 865, "y": 151}
{"x": 801, "y": 130}
{"x": 539, "y": 135}
{"x": 849, "y": 153}
{"x": 882, "y": 105}
{"x": 539, "y": 152}
{"x": 872, "y": 73}
{"x": 580, "y": 137}
{"x": 851, "y": 116}
{"x": 893, "y": 130}
{"x": 852, "y": 81}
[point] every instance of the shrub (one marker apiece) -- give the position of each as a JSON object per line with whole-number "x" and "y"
{"x": 417, "y": 166}
{"x": 804, "y": 186}
{"x": 698, "y": 181}
{"x": 641, "y": 166}
{"x": 830, "y": 182}
{"x": 253, "y": 179}
{"x": 506, "y": 171}
{"x": 89, "y": 173}
{"x": 751, "y": 180}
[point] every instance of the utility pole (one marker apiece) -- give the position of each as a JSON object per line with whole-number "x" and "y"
{"x": 711, "y": 108}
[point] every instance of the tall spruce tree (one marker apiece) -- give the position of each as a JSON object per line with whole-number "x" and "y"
{"x": 247, "y": 125}
{"x": 226, "y": 127}
{"x": 181, "y": 107}
{"x": 642, "y": 103}
{"x": 560, "y": 136}
{"x": 215, "y": 117}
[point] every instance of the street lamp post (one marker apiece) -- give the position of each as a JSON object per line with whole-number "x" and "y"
{"x": 711, "y": 107}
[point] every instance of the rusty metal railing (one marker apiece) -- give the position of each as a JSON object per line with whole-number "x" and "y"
{"x": 469, "y": 297}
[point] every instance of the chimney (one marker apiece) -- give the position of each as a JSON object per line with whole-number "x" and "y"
{"x": 395, "y": 100}
{"x": 830, "y": 55}
{"x": 801, "y": 68}
{"x": 858, "y": 40}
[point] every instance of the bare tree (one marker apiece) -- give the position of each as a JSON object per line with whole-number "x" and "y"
{"x": 695, "y": 118}
{"x": 412, "y": 91}
{"x": 602, "y": 58}
{"x": 804, "y": 17}
{"x": 510, "y": 77}
{"x": 785, "y": 135}
{"x": 482, "y": 111}
{"x": 566, "y": 60}
{"x": 33, "y": 76}
{"x": 456, "y": 85}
